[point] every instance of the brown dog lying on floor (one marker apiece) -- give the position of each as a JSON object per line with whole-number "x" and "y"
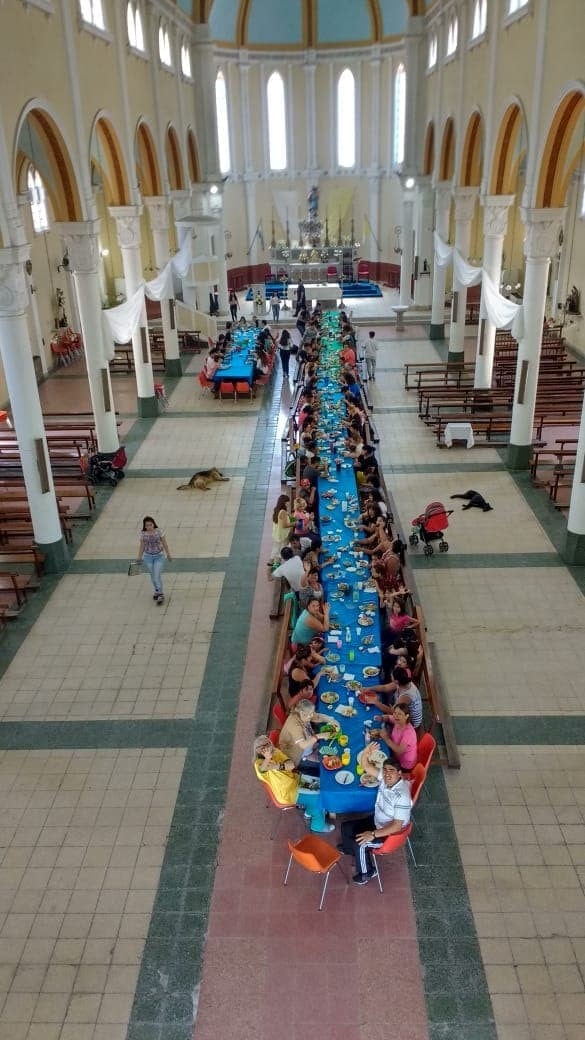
{"x": 203, "y": 479}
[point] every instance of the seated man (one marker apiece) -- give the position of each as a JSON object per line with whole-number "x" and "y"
{"x": 291, "y": 568}
{"x": 391, "y": 815}
{"x": 400, "y": 691}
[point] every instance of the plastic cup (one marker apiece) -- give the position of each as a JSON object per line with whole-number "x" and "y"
{"x": 343, "y": 739}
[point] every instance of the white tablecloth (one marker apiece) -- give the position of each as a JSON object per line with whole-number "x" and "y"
{"x": 460, "y": 431}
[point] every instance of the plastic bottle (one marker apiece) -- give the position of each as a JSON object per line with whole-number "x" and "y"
{"x": 346, "y": 757}
{"x": 355, "y": 596}
{"x": 348, "y": 634}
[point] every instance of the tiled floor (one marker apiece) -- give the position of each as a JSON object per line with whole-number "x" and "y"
{"x": 113, "y": 885}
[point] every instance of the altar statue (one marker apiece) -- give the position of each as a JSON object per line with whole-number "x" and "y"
{"x": 313, "y": 203}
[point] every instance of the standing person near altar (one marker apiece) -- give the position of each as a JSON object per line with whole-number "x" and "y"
{"x": 301, "y": 297}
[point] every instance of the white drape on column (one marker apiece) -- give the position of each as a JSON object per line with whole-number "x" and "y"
{"x": 120, "y": 323}
{"x": 503, "y": 313}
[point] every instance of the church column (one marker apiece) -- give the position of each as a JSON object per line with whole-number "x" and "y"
{"x": 158, "y": 213}
{"x": 204, "y": 95}
{"x": 464, "y": 208}
{"x": 540, "y": 241}
{"x": 310, "y": 111}
{"x": 37, "y": 343}
{"x": 442, "y": 211}
{"x": 574, "y": 551}
{"x": 424, "y": 244}
{"x": 216, "y": 210}
{"x": 374, "y": 215}
{"x": 81, "y": 240}
{"x": 23, "y": 393}
{"x": 251, "y": 214}
{"x": 407, "y": 257}
{"x": 495, "y": 222}
{"x": 128, "y": 227}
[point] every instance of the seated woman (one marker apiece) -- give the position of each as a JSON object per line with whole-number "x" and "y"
{"x": 273, "y": 768}
{"x": 401, "y": 739}
{"x": 301, "y": 671}
{"x": 311, "y": 587}
{"x": 398, "y": 619}
{"x": 313, "y": 620}
{"x": 298, "y": 739}
{"x": 211, "y": 364}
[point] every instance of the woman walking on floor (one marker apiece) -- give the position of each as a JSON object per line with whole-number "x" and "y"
{"x": 152, "y": 550}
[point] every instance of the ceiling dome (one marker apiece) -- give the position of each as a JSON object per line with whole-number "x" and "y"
{"x": 300, "y": 24}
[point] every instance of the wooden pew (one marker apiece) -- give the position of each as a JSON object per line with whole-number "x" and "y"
{"x": 22, "y": 555}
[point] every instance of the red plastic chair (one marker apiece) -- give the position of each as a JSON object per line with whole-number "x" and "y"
{"x": 279, "y": 713}
{"x": 243, "y": 389}
{"x": 316, "y": 856}
{"x": 426, "y": 749}
{"x": 227, "y": 389}
{"x": 392, "y": 844}
{"x": 417, "y": 779}
{"x": 204, "y": 382}
{"x": 273, "y": 736}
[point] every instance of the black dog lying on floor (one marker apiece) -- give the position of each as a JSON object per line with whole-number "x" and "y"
{"x": 475, "y": 501}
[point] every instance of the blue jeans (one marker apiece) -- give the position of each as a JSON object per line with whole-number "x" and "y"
{"x": 154, "y": 563}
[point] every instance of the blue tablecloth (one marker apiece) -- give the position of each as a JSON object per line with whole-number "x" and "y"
{"x": 350, "y": 568}
{"x": 236, "y": 366}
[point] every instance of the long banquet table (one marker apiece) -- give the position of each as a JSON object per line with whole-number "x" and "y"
{"x": 356, "y": 610}
{"x": 237, "y": 364}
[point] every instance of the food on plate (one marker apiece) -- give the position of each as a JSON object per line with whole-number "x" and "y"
{"x": 368, "y": 781}
{"x": 370, "y": 671}
{"x": 346, "y": 711}
{"x": 328, "y": 751}
{"x": 365, "y": 620}
{"x": 353, "y": 685}
{"x": 329, "y": 697}
{"x": 332, "y": 761}
{"x": 333, "y": 658}
{"x": 370, "y": 606}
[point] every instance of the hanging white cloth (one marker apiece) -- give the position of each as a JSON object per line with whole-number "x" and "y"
{"x": 125, "y": 319}
{"x": 181, "y": 262}
{"x": 503, "y": 313}
{"x": 161, "y": 287}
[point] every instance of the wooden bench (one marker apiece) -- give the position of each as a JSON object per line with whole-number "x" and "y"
{"x": 484, "y": 426}
{"x": 22, "y": 556}
{"x": 20, "y": 584}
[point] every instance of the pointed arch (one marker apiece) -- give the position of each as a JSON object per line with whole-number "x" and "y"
{"x": 504, "y": 166}
{"x": 105, "y": 154}
{"x": 472, "y": 158}
{"x": 174, "y": 160}
{"x": 429, "y": 150}
{"x": 556, "y": 160}
{"x": 447, "y": 159}
{"x": 39, "y": 140}
{"x": 193, "y": 157}
{"x": 147, "y": 168}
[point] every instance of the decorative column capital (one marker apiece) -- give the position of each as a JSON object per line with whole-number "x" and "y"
{"x": 495, "y": 214}
{"x": 443, "y": 195}
{"x": 541, "y": 236}
{"x": 181, "y": 204}
{"x": 158, "y": 212}
{"x": 127, "y": 224}
{"x": 14, "y": 295}
{"x": 464, "y": 199}
{"x": 81, "y": 240}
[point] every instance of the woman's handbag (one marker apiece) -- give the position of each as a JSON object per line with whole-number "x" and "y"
{"x": 135, "y": 567}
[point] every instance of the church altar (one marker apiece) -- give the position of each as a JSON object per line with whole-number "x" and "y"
{"x": 314, "y": 258}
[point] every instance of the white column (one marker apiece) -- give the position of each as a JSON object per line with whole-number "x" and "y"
{"x": 464, "y": 208}
{"x": 374, "y": 215}
{"x": 541, "y": 239}
{"x": 158, "y": 213}
{"x": 575, "y": 540}
{"x": 442, "y": 211}
{"x": 495, "y": 222}
{"x": 128, "y": 227}
{"x": 310, "y": 111}
{"x": 81, "y": 239}
{"x": 407, "y": 257}
{"x": 251, "y": 215}
{"x": 38, "y": 346}
{"x": 424, "y": 244}
{"x": 26, "y": 408}
{"x": 204, "y": 97}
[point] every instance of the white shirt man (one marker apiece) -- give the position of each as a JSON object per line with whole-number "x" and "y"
{"x": 391, "y": 815}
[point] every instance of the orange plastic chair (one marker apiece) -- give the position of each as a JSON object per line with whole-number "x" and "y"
{"x": 417, "y": 779}
{"x": 243, "y": 389}
{"x": 282, "y": 809}
{"x": 392, "y": 844}
{"x": 316, "y": 856}
{"x": 425, "y": 750}
{"x": 227, "y": 389}
{"x": 273, "y": 736}
{"x": 279, "y": 713}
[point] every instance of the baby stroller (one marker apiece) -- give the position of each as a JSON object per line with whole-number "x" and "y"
{"x": 429, "y": 527}
{"x": 107, "y": 466}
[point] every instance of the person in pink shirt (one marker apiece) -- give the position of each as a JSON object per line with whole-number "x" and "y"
{"x": 402, "y": 738}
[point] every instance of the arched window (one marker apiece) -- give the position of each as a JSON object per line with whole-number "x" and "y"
{"x": 276, "y": 122}
{"x": 452, "y": 35}
{"x": 223, "y": 128}
{"x": 164, "y": 46}
{"x": 479, "y": 19}
{"x": 185, "y": 61}
{"x": 346, "y": 119}
{"x": 432, "y": 55}
{"x": 516, "y": 5}
{"x": 134, "y": 23}
{"x": 38, "y": 201}
{"x": 399, "y": 115}
{"x": 92, "y": 12}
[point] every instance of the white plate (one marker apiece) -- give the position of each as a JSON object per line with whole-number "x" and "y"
{"x": 344, "y": 777}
